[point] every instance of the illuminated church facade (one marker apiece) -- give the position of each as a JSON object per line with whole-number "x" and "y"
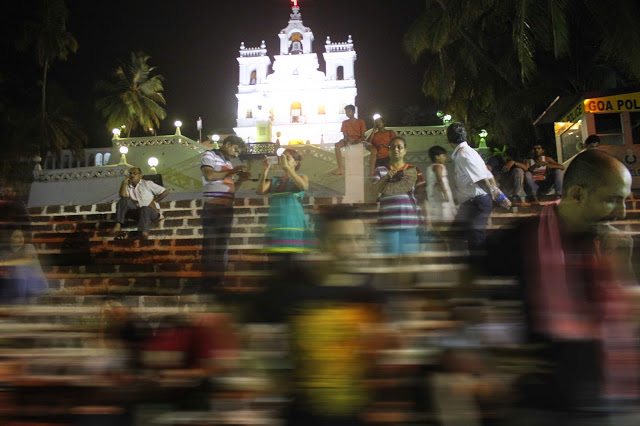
{"x": 291, "y": 99}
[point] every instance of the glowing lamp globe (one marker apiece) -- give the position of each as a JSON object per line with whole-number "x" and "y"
{"x": 123, "y": 150}
{"x": 178, "y": 123}
{"x": 152, "y": 161}
{"x": 483, "y": 133}
{"x": 116, "y": 132}
{"x": 376, "y": 116}
{"x": 215, "y": 138}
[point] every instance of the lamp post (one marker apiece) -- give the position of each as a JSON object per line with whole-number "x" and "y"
{"x": 215, "y": 139}
{"x": 178, "y": 124}
{"x": 116, "y": 133}
{"x": 123, "y": 150}
{"x": 482, "y": 146}
{"x": 153, "y": 162}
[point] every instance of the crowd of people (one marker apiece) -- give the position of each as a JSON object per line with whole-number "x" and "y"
{"x": 337, "y": 335}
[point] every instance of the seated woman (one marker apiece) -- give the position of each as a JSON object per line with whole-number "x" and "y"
{"x": 402, "y": 189}
{"x": 287, "y": 230}
{"x": 22, "y": 276}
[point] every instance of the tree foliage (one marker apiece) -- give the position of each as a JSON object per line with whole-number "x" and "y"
{"x": 52, "y": 128}
{"x": 132, "y": 96}
{"x": 496, "y": 64}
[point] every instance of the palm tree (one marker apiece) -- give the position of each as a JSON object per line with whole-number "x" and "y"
{"x": 132, "y": 96}
{"x": 496, "y": 63}
{"x": 51, "y": 40}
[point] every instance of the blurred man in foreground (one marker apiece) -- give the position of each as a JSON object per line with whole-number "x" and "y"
{"x": 576, "y": 282}
{"x": 334, "y": 318}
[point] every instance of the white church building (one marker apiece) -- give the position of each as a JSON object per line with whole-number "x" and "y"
{"x": 291, "y": 99}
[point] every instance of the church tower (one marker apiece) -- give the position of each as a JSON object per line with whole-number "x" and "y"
{"x": 296, "y": 100}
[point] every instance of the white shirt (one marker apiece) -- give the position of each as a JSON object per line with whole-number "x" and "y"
{"x": 144, "y": 192}
{"x": 470, "y": 168}
{"x": 219, "y": 191}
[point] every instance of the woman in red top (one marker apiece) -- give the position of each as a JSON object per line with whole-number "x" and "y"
{"x": 380, "y": 138}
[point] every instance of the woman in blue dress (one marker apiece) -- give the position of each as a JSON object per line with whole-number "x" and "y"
{"x": 287, "y": 230}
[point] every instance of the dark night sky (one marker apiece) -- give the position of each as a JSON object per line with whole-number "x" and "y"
{"x": 194, "y": 45}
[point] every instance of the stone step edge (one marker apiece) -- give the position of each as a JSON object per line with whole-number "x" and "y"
{"x": 177, "y": 204}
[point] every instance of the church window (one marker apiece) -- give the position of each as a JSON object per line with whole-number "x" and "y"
{"x": 340, "y": 73}
{"x": 252, "y": 79}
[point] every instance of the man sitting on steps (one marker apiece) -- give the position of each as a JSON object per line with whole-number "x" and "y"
{"x": 142, "y": 196}
{"x": 353, "y": 130}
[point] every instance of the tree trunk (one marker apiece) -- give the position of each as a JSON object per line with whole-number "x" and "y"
{"x": 44, "y": 109}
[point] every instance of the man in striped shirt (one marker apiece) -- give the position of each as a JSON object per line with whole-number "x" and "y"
{"x": 217, "y": 208}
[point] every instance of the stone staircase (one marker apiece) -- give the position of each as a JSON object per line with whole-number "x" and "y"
{"x": 157, "y": 277}
{"x": 80, "y": 258}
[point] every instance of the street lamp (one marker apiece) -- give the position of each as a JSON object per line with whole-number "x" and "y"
{"x": 116, "y": 133}
{"x": 215, "y": 139}
{"x": 482, "y": 146}
{"x": 123, "y": 150}
{"x": 153, "y": 162}
{"x": 446, "y": 118}
{"x": 376, "y": 116}
{"x": 178, "y": 124}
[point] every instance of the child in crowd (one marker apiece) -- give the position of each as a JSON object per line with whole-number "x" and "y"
{"x": 441, "y": 205}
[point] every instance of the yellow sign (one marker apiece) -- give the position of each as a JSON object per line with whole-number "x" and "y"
{"x": 574, "y": 115}
{"x": 628, "y": 102}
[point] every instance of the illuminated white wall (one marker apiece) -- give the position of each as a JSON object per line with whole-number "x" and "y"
{"x": 299, "y": 101}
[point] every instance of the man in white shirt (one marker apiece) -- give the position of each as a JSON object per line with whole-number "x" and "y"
{"x": 143, "y": 196}
{"x": 219, "y": 190}
{"x": 474, "y": 189}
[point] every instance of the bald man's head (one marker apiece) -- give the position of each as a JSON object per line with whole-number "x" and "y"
{"x": 590, "y": 168}
{"x": 595, "y": 188}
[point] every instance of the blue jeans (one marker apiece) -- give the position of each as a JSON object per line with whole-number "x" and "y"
{"x": 552, "y": 180}
{"x": 473, "y": 216}
{"x": 400, "y": 241}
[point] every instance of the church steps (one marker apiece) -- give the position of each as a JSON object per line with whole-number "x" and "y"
{"x": 80, "y": 258}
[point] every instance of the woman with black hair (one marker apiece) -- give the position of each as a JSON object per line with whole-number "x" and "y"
{"x": 287, "y": 230}
{"x": 402, "y": 190}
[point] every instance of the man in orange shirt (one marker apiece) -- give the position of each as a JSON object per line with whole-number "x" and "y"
{"x": 380, "y": 138}
{"x": 353, "y": 130}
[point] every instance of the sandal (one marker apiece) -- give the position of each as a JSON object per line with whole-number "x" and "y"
{"x": 121, "y": 235}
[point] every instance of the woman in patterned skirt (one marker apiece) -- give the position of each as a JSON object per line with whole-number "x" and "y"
{"x": 402, "y": 196}
{"x": 287, "y": 229}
